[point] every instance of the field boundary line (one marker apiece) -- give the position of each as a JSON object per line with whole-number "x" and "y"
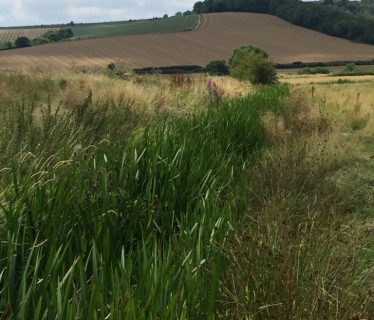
{"x": 203, "y": 19}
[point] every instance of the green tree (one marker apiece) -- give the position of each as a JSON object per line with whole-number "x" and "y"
{"x": 350, "y": 67}
{"x": 22, "y": 42}
{"x": 218, "y": 68}
{"x": 243, "y": 51}
{"x": 252, "y": 64}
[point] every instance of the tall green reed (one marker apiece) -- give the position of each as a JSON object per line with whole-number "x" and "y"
{"x": 104, "y": 219}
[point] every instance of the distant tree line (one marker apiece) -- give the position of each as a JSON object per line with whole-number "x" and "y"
{"x": 326, "y": 16}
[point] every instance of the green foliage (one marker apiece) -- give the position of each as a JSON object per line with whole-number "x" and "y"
{"x": 350, "y": 67}
{"x": 219, "y": 68}
{"x": 317, "y": 70}
{"x": 170, "y": 69}
{"x": 299, "y": 64}
{"x": 104, "y": 215}
{"x": 252, "y": 64}
{"x": 6, "y": 45}
{"x": 39, "y": 41}
{"x": 22, "y": 42}
{"x": 241, "y": 52}
{"x": 354, "y": 72}
{"x": 58, "y": 35}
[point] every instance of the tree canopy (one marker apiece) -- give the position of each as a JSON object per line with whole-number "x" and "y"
{"x": 252, "y": 64}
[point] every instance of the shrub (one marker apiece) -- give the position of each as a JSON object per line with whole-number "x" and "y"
{"x": 218, "y": 68}
{"x": 59, "y": 35}
{"x": 350, "y": 67}
{"x": 244, "y": 50}
{"x": 22, "y": 42}
{"x": 252, "y": 64}
{"x": 318, "y": 70}
{"x": 39, "y": 41}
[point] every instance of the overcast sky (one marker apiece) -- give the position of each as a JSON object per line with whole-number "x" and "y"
{"x": 36, "y": 12}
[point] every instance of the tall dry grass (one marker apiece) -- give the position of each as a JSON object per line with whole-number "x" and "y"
{"x": 302, "y": 249}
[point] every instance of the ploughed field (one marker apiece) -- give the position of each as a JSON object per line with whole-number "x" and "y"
{"x": 215, "y": 37}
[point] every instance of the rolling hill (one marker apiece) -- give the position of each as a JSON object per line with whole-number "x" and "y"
{"x": 215, "y": 38}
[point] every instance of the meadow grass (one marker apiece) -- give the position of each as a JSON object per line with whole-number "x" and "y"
{"x": 240, "y": 209}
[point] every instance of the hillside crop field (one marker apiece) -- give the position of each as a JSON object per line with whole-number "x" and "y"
{"x": 214, "y": 39}
{"x": 158, "y": 197}
{"x": 109, "y": 29}
{"x": 7, "y": 35}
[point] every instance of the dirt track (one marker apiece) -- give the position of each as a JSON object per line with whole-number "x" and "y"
{"x": 215, "y": 38}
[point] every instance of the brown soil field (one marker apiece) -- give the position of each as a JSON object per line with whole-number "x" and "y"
{"x": 214, "y": 39}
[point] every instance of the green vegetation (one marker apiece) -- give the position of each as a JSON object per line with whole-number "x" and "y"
{"x": 317, "y": 70}
{"x": 170, "y": 69}
{"x": 300, "y": 64}
{"x": 243, "y": 209}
{"x": 105, "y": 217}
{"x": 350, "y": 67}
{"x": 58, "y": 35}
{"x": 352, "y": 70}
{"x": 22, "y": 42}
{"x": 218, "y": 68}
{"x": 356, "y": 72}
{"x": 252, "y": 64}
{"x": 363, "y": 9}
{"x": 324, "y": 16}
{"x": 170, "y": 24}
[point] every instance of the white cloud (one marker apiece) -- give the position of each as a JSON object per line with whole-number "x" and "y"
{"x": 24, "y": 12}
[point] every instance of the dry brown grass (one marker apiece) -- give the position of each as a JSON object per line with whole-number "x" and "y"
{"x": 321, "y": 79}
{"x": 215, "y": 39}
{"x": 182, "y": 94}
{"x": 302, "y": 250}
{"x": 179, "y": 94}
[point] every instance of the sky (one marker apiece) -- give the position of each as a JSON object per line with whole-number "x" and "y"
{"x": 37, "y": 12}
